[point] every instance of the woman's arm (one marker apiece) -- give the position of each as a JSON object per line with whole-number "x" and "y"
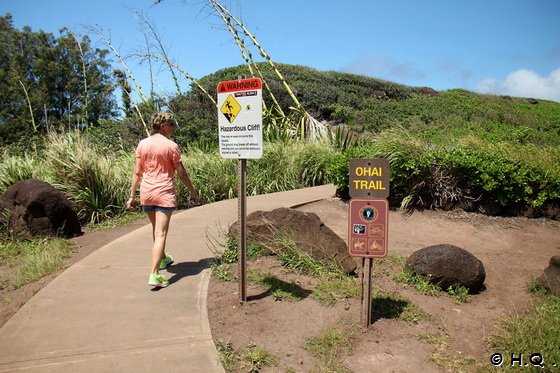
{"x": 187, "y": 181}
{"x": 135, "y": 181}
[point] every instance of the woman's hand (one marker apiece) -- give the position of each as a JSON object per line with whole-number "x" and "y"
{"x": 195, "y": 199}
{"x": 131, "y": 204}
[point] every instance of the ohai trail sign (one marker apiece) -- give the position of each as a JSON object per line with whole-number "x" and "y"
{"x": 369, "y": 178}
{"x": 368, "y": 219}
{"x": 240, "y": 118}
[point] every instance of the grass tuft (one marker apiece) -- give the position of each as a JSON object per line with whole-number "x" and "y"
{"x": 535, "y": 331}
{"x": 32, "y": 260}
{"x": 330, "y": 348}
{"x": 251, "y": 359}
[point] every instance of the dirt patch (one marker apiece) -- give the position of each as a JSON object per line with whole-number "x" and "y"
{"x": 410, "y": 331}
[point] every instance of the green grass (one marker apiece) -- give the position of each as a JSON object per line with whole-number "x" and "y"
{"x": 295, "y": 259}
{"x": 225, "y": 258}
{"x": 119, "y": 221}
{"x": 333, "y": 285}
{"x": 330, "y": 348}
{"x": 30, "y": 260}
{"x": 279, "y": 289}
{"x": 405, "y": 276}
{"x": 336, "y": 287}
{"x": 534, "y": 331}
{"x": 251, "y": 359}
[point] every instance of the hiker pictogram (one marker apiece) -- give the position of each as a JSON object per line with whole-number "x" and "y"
{"x": 230, "y": 108}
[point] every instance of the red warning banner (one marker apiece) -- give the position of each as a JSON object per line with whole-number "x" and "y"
{"x": 239, "y": 85}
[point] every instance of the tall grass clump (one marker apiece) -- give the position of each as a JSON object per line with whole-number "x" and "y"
{"x": 334, "y": 285}
{"x": 213, "y": 177}
{"x": 18, "y": 168}
{"x": 282, "y": 167}
{"x": 311, "y": 162}
{"x": 274, "y": 171}
{"x": 96, "y": 183}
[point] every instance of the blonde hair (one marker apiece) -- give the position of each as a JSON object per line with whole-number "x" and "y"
{"x": 158, "y": 119}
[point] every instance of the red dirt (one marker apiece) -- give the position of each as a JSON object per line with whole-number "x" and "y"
{"x": 445, "y": 336}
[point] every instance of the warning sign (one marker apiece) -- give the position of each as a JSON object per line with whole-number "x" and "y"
{"x": 240, "y": 118}
{"x": 368, "y": 227}
{"x": 230, "y": 108}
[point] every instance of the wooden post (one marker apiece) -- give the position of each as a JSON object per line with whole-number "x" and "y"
{"x": 242, "y": 218}
{"x": 367, "y": 264}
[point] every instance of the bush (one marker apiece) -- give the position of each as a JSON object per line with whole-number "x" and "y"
{"x": 17, "y": 168}
{"x": 95, "y": 182}
{"x": 469, "y": 176}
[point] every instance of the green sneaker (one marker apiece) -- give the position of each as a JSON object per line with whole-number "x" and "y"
{"x": 158, "y": 280}
{"x": 166, "y": 262}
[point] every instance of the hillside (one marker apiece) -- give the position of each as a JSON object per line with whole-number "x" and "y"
{"x": 370, "y": 105}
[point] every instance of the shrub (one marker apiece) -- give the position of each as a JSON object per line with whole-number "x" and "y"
{"x": 96, "y": 183}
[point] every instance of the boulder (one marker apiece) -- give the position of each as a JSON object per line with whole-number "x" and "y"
{"x": 448, "y": 265}
{"x": 37, "y": 208}
{"x": 427, "y": 91}
{"x": 305, "y": 228}
{"x": 550, "y": 279}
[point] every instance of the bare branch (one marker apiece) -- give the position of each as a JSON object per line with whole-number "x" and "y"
{"x": 141, "y": 18}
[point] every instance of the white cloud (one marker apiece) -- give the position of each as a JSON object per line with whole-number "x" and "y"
{"x": 524, "y": 83}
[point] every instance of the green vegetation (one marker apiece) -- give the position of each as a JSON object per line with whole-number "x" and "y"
{"x": 497, "y": 178}
{"x": 278, "y": 289}
{"x": 30, "y": 260}
{"x": 330, "y": 348}
{"x": 333, "y": 285}
{"x": 50, "y": 82}
{"x": 406, "y": 276}
{"x": 534, "y": 331}
{"x": 251, "y": 359}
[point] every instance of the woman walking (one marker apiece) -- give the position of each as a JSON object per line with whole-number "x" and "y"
{"x": 157, "y": 159}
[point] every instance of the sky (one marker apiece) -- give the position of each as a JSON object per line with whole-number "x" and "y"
{"x": 504, "y": 47}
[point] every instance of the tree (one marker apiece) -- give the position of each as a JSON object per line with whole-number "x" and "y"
{"x": 48, "y": 81}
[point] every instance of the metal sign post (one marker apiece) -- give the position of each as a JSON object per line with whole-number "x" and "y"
{"x": 242, "y": 218}
{"x": 240, "y": 137}
{"x": 368, "y": 220}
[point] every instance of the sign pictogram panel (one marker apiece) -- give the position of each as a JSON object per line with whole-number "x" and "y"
{"x": 368, "y": 227}
{"x": 230, "y": 108}
{"x": 240, "y": 118}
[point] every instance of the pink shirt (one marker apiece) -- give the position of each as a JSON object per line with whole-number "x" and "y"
{"x": 158, "y": 156}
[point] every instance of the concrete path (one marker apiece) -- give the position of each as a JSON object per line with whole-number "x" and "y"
{"x": 100, "y": 315}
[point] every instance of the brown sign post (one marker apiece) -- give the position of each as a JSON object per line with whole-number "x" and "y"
{"x": 368, "y": 219}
